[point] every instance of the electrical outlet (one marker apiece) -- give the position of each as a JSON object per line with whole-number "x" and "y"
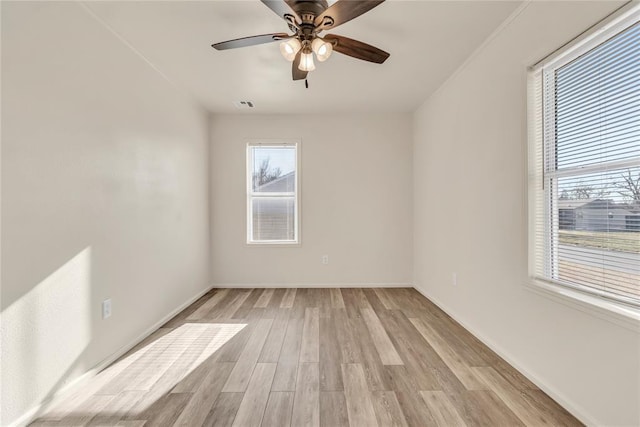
{"x": 106, "y": 309}
{"x": 325, "y": 259}
{"x": 454, "y": 279}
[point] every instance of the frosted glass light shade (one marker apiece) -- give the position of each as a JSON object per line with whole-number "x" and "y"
{"x": 306, "y": 62}
{"x": 322, "y": 49}
{"x": 289, "y": 49}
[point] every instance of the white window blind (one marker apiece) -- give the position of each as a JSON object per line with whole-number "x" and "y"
{"x": 586, "y": 168}
{"x": 272, "y": 193}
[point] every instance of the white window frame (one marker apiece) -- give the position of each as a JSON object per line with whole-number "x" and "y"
{"x": 539, "y": 200}
{"x": 251, "y": 195}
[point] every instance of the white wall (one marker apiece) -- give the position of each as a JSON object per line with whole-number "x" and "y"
{"x": 356, "y": 189}
{"x": 470, "y": 217}
{"x": 105, "y": 194}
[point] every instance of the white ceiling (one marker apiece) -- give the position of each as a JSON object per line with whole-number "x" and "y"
{"x": 427, "y": 40}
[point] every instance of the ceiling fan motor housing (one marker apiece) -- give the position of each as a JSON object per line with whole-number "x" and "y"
{"x": 307, "y": 10}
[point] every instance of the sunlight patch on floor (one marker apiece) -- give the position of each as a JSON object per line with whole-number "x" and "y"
{"x": 151, "y": 371}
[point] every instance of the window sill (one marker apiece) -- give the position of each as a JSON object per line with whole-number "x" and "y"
{"x": 275, "y": 244}
{"x": 622, "y": 315}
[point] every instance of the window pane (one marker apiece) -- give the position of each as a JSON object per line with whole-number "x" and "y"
{"x": 598, "y": 104}
{"x": 273, "y": 218}
{"x": 274, "y": 169}
{"x": 598, "y": 219}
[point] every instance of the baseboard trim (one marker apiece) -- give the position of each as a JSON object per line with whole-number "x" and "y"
{"x": 575, "y": 410}
{"x": 33, "y": 413}
{"x": 310, "y": 285}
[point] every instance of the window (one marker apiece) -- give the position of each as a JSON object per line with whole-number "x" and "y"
{"x": 272, "y": 193}
{"x": 585, "y": 164}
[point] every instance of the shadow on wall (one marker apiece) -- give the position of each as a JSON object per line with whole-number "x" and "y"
{"x": 45, "y": 334}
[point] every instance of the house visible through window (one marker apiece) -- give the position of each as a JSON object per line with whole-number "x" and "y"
{"x": 586, "y": 166}
{"x": 272, "y": 193}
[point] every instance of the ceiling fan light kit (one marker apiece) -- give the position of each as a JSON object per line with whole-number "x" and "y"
{"x": 307, "y": 19}
{"x": 306, "y": 62}
{"x": 321, "y": 48}
{"x": 289, "y": 48}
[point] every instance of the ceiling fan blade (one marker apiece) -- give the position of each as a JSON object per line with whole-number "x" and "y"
{"x": 297, "y": 73}
{"x": 282, "y": 9}
{"x": 250, "y": 41}
{"x": 357, "y": 49}
{"x": 343, "y": 11}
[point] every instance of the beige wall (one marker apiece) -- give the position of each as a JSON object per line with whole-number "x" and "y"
{"x": 355, "y": 201}
{"x": 104, "y": 195}
{"x": 470, "y": 218}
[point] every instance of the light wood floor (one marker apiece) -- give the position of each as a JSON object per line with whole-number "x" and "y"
{"x": 316, "y": 357}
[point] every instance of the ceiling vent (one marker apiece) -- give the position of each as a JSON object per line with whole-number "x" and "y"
{"x": 242, "y": 105}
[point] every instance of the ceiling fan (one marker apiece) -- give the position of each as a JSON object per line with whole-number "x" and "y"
{"x": 307, "y": 19}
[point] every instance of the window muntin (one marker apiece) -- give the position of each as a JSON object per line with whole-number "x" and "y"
{"x": 272, "y": 193}
{"x": 587, "y": 214}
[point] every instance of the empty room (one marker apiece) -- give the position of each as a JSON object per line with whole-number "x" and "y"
{"x": 320, "y": 213}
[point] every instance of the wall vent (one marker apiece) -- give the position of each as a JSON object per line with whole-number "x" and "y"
{"x": 241, "y": 105}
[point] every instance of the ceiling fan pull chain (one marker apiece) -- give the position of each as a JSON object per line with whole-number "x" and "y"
{"x": 306, "y": 83}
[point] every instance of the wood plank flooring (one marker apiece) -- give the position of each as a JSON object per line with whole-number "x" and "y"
{"x": 309, "y": 357}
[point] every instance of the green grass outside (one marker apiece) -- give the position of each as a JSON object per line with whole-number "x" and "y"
{"x": 614, "y": 241}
